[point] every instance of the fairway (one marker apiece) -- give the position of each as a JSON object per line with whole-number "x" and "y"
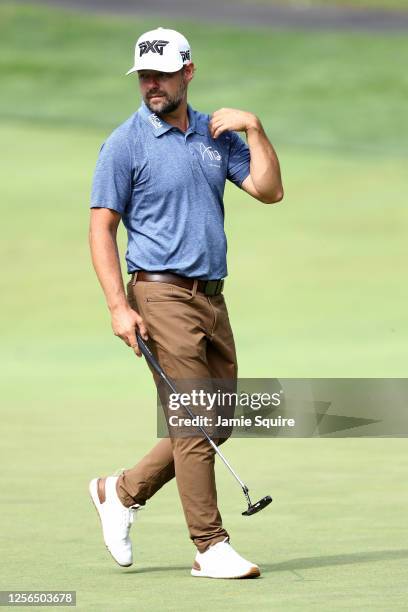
{"x": 327, "y": 298}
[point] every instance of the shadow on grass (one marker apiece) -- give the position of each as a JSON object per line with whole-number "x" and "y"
{"x": 330, "y": 560}
{"x": 302, "y": 563}
{"x": 166, "y": 568}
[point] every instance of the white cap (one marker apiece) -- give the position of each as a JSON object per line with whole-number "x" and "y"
{"x": 162, "y": 50}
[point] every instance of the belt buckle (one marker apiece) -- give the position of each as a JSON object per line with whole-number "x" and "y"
{"x": 214, "y": 287}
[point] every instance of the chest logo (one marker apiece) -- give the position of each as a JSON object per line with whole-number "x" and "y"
{"x": 209, "y": 154}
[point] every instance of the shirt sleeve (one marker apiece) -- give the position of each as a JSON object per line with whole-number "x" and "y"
{"x": 238, "y": 161}
{"x": 112, "y": 180}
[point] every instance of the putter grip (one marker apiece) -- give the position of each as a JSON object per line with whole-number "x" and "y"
{"x": 148, "y": 354}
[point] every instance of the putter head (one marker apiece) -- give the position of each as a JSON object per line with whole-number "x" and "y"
{"x": 258, "y": 506}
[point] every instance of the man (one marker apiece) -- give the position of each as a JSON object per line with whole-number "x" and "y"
{"x": 163, "y": 173}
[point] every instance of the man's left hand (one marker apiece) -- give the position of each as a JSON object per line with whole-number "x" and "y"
{"x": 232, "y": 119}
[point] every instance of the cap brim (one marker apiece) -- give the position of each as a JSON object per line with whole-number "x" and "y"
{"x": 156, "y": 64}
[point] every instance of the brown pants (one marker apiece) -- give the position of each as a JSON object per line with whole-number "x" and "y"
{"x": 191, "y": 336}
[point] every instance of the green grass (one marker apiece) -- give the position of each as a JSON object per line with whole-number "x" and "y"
{"x": 326, "y": 298}
{"x": 341, "y": 90}
{"x": 366, "y": 4}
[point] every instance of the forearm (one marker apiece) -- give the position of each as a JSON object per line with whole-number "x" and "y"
{"x": 264, "y": 165}
{"x": 106, "y": 262}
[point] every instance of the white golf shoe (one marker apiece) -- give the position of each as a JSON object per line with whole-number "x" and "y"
{"x": 116, "y": 519}
{"x": 222, "y": 561}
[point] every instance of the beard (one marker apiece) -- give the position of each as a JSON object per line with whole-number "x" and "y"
{"x": 168, "y": 104}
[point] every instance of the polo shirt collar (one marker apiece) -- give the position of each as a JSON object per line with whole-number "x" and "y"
{"x": 159, "y": 126}
{"x": 195, "y": 122}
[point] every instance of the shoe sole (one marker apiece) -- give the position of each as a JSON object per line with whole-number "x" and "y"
{"x": 254, "y": 572}
{"x": 93, "y": 492}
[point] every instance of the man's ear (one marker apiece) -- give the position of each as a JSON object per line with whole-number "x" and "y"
{"x": 189, "y": 70}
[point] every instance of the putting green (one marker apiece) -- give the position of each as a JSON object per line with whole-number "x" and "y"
{"x": 327, "y": 298}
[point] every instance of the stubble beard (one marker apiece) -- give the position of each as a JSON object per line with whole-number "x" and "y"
{"x": 169, "y": 103}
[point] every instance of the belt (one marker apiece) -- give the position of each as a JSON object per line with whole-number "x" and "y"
{"x": 210, "y": 287}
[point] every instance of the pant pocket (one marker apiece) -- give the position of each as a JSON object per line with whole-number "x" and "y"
{"x": 166, "y": 292}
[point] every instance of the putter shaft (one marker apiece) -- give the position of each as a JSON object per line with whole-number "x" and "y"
{"x": 153, "y": 361}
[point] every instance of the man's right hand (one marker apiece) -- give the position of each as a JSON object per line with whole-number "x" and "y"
{"x": 125, "y": 322}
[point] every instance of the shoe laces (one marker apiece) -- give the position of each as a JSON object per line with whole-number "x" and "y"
{"x": 128, "y": 513}
{"x": 128, "y": 516}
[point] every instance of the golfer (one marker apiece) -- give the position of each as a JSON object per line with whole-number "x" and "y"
{"x": 163, "y": 172}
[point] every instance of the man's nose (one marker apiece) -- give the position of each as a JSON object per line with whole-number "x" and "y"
{"x": 153, "y": 81}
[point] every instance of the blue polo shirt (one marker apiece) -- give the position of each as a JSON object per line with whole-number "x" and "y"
{"x": 169, "y": 186}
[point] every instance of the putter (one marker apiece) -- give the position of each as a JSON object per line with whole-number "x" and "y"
{"x": 252, "y": 508}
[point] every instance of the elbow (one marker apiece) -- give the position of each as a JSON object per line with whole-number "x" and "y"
{"x": 273, "y": 198}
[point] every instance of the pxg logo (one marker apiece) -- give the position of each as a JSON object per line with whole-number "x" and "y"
{"x": 185, "y": 55}
{"x": 155, "y": 46}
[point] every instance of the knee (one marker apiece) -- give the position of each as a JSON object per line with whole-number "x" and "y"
{"x": 191, "y": 446}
